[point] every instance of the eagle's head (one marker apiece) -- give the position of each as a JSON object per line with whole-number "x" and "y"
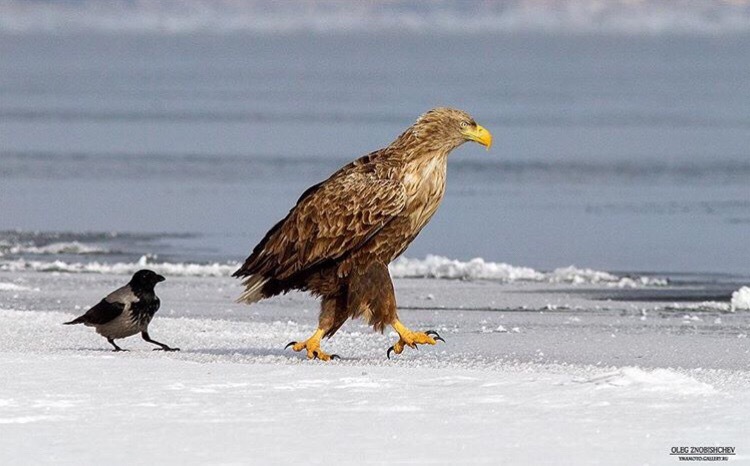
{"x": 447, "y": 128}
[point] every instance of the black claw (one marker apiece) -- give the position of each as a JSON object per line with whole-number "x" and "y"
{"x": 291, "y": 343}
{"x": 335, "y": 356}
{"x": 315, "y": 354}
{"x": 435, "y": 335}
{"x": 388, "y": 353}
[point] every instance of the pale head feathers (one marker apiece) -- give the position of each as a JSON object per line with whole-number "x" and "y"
{"x": 436, "y": 132}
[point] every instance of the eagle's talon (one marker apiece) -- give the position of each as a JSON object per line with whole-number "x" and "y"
{"x": 311, "y": 346}
{"x": 335, "y": 356}
{"x": 412, "y": 339}
{"x": 436, "y": 336}
{"x": 388, "y": 353}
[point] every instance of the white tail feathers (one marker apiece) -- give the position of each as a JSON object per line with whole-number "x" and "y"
{"x": 253, "y": 289}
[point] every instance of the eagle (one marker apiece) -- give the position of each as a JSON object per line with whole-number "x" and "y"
{"x": 339, "y": 238}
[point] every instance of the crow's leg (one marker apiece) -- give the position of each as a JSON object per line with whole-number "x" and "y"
{"x": 117, "y": 348}
{"x": 164, "y": 347}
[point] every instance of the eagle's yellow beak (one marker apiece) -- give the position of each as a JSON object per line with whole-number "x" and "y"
{"x": 479, "y": 134}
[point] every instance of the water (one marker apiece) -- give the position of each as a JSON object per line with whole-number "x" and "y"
{"x": 614, "y": 152}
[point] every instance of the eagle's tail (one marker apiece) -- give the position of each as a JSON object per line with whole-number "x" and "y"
{"x": 253, "y": 289}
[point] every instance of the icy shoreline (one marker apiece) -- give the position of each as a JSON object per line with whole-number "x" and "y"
{"x": 432, "y": 266}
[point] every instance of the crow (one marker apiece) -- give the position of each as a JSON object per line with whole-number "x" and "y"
{"x": 126, "y": 311}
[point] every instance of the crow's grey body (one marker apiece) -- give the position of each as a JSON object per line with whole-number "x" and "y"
{"x": 133, "y": 317}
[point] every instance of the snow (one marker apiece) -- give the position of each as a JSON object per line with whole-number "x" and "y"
{"x": 584, "y": 384}
{"x": 741, "y": 299}
{"x": 12, "y": 287}
{"x": 657, "y": 380}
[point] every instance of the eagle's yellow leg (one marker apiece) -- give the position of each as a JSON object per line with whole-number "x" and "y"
{"x": 411, "y": 339}
{"x": 312, "y": 345}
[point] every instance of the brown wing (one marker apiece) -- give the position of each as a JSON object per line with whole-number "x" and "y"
{"x": 330, "y": 220}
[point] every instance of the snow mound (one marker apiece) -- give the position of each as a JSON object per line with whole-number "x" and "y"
{"x": 656, "y": 380}
{"x": 478, "y": 269}
{"x": 441, "y": 267}
{"x": 741, "y": 299}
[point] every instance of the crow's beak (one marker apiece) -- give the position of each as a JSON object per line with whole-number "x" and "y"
{"x": 160, "y": 278}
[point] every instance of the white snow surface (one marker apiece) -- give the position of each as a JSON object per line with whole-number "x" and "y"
{"x": 581, "y": 385}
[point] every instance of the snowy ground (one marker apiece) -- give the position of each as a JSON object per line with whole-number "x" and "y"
{"x": 533, "y": 373}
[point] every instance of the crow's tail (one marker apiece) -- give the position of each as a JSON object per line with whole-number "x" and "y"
{"x": 79, "y": 320}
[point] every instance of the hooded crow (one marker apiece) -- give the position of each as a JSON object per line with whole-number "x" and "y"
{"x": 126, "y": 311}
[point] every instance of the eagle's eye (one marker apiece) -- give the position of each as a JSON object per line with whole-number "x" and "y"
{"x": 464, "y": 124}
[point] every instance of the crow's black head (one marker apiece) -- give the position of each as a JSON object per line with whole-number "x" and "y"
{"x": 145, "y": 279}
